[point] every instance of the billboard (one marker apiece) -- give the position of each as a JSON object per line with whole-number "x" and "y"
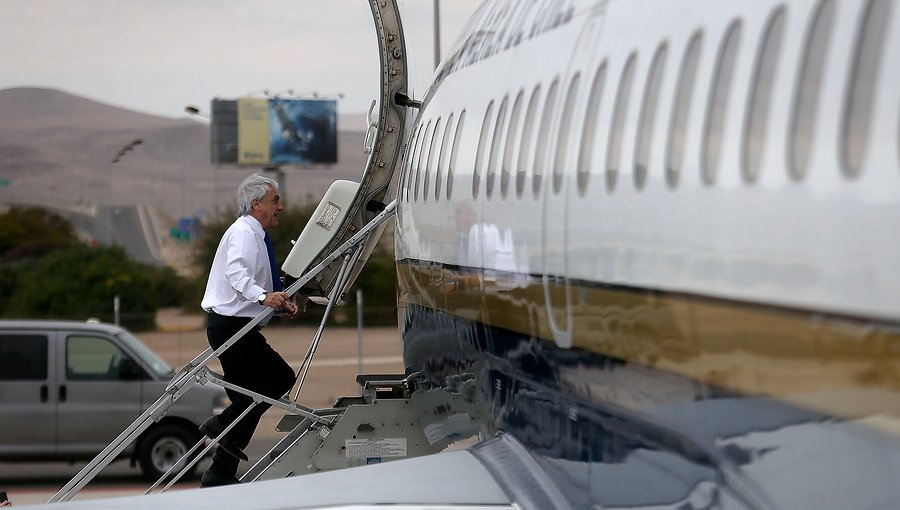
{"x": 273, "y": 131}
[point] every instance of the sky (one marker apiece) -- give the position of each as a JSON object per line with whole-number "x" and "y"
{"x": 158, "y": 56}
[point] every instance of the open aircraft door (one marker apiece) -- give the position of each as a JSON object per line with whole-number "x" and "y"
{"x": 385, "y": 139}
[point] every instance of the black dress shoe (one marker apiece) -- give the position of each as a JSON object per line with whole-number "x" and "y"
{"x": 212, "y": 428}
{"x": 212, "y": 479}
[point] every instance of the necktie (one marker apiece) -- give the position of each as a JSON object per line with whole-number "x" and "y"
{"x": 276, "y": 281}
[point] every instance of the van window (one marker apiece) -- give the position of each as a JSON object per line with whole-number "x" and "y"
{"x": 91, "y": 358}
{"x": 149, "y": 358}
{"x": 23, "y": 357}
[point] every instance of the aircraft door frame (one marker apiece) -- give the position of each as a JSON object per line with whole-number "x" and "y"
{"x": 556, "y": 188}
{"x": 554, "y": 243}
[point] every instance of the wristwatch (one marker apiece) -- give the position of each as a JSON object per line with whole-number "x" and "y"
{"x": 262, "y": 298}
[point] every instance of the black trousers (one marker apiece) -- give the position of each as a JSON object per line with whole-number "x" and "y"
{"x": 250, "y": 363}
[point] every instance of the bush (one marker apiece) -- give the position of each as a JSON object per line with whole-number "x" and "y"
{"x": 27, "y": 232}
{"x": 46, "y": 273}
{"x": 82, "y": 282}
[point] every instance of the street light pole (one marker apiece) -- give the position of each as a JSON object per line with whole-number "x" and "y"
{"x": 437, "y": 33}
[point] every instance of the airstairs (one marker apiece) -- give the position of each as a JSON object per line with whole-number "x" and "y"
{"x": 379, "y": 424}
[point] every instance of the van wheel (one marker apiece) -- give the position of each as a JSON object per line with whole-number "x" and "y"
{"x": 161, "y": 448}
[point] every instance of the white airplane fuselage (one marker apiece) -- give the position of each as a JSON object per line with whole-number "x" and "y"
{"x": 655, "y": 243}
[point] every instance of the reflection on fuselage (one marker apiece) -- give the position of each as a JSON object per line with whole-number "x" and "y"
{"x": 665, "y": 311}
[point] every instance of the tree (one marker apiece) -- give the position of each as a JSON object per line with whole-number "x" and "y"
{"x": 46, "y": 273}
{"x": 81, "y": 282}
{"x": 27, "y": 232}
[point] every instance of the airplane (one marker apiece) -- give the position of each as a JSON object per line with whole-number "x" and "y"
{"x": 645, "y": 260}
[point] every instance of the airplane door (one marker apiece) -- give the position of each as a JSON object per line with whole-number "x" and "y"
{"x": 556, "y": 211}
{"x": 557, "y": 187}
{"x": 555, "y": 281}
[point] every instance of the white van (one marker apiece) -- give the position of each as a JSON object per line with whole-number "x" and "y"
{"x": 67, "y": 389}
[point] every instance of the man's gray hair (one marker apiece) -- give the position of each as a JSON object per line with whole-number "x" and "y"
{"x": 253, "y": 188}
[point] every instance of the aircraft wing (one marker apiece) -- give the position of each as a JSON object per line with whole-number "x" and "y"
{"x": 449, "y": 480}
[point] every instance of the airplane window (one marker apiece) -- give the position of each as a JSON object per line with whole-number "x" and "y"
{"x": 525, "y": 144}
{"x": 562, "y": 141}
{"x": 432, "y": 156}
{"x": 861, "y": 92}
{"x": 510, "y": 142}
{"x": 718, "y": 103}
{"x": 482, "y": 142}
{"x": 806, "y": 96}
{"x": 423, "y": 155}
{"x": 495, "y": 147}
{"x": 453, "y": 153}
{"x": 760, "y": 96}
{"x": 617, "y": 128}
{"x": 411, "y": 159}
{"x": 404, "y": 177}
{"x": 540, "y": 154}
{"x": 443, "y": 159}
{"x": 680, "y": 109}
{"x": 404, "y": 174}
{"x": 590, "y": 128}
{"x": 648, "y": 116}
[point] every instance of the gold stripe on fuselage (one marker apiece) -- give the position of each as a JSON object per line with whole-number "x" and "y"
{"x": 847, "y": 367}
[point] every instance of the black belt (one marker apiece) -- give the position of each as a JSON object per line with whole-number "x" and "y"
{"x": 217, "y": 320}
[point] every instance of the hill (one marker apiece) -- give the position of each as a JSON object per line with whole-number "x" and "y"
{"x": 57, "y": 149}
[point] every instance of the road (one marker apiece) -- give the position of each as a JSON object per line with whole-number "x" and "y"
{"x": 125, "y": 226}
{"x": 180, "y": 338}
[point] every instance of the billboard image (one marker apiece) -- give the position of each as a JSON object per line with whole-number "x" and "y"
{"x": 274, "y": 131}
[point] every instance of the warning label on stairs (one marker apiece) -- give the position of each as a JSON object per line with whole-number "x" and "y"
{"x": 383, "y": 447}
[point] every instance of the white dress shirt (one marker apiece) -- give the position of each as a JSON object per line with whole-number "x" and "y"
{"x": 240, "y": 271}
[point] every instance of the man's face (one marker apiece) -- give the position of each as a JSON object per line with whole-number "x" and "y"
{"x": 268, "y": 209}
